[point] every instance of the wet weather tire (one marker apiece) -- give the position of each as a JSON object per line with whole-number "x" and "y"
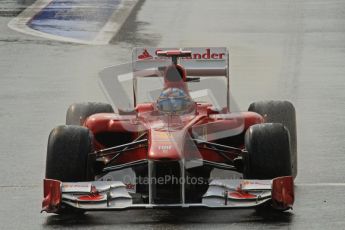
{"x": 268, "y": 152}
{"x": 280, "y": 112}
{"x": 68, "y": 154}
{"x": 78, "y": 112}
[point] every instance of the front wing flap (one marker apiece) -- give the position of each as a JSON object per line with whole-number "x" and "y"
{"x": 221, "y": 194}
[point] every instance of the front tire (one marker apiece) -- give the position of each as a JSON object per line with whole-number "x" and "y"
{"x": 68, "y": 154}
{"x": 268, "y": 152}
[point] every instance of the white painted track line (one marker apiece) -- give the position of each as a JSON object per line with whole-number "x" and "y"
{"x": 109, "y": 30}
{"x": 116, "y": 21}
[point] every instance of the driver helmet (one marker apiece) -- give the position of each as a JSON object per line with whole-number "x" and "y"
{"x": 174, "y": 101}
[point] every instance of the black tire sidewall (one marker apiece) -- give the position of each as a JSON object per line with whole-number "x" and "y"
{"x": 68, "y": 154}
{"x": 268, "y": 152}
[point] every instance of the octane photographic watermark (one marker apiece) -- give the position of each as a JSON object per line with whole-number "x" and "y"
{"x": 171, "y": 180}
{"x": 166, "y": 180}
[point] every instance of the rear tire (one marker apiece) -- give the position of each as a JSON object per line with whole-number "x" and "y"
{"x": 77, "y": 113}
{"x": 268, "y": 152}
{"x": 280, "y": 112}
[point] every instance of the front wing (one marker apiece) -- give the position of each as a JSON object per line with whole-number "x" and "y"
{"x": 221, "y": 194}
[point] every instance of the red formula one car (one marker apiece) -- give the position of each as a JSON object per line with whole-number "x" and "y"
{"x": 178, "y": 147}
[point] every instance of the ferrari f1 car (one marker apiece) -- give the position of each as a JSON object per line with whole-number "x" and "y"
{"x": 178, "y": 146}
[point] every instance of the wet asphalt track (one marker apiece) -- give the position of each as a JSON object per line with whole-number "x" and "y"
{"x": 291, "y": 50}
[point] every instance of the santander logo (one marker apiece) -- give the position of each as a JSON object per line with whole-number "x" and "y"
{"x": 207, "y": 55}
{"x": 144, "y": 55}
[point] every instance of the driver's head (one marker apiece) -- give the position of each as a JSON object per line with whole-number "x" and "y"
{"x": 175, "y": 101}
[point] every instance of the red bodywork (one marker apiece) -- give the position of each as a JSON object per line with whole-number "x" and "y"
{"x": 170, "y": 144}
{"x": 52, "y": 195}
{"x": 205, "y": 121}
{"x": 283, "y": 195}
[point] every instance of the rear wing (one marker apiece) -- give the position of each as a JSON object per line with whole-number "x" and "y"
{"x": 198, "y": 62}
{"x": 118, "y": 81}
{"x": 204, "y": 61}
